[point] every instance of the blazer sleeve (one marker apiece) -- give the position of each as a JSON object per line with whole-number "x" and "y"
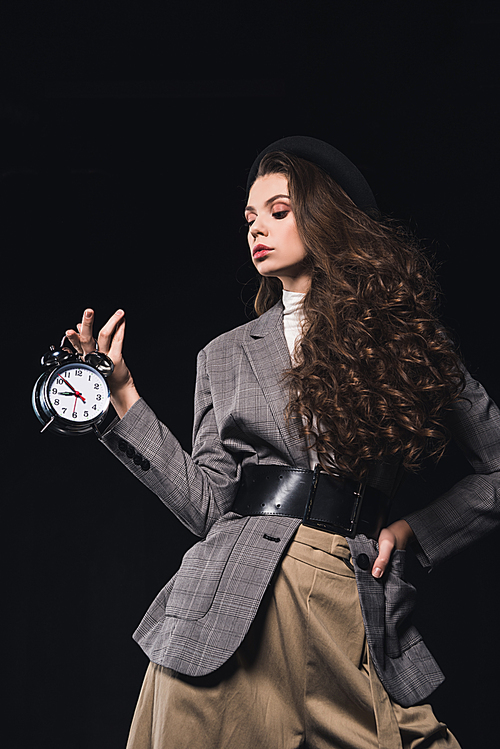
{"x": 198, "y": 488}
{"x": 471, "y": 508}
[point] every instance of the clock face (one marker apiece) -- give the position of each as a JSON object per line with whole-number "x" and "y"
{"x": 77, "y": 393}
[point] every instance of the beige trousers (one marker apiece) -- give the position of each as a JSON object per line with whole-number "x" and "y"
{"x": 301, "y": 678}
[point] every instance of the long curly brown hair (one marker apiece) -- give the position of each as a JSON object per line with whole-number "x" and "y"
{"x": 375, "y": 371}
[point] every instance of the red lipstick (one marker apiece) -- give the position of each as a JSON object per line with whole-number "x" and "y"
{"x": 260, "y": 250}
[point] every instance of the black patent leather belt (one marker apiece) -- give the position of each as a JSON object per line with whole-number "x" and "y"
{"x": 330, "y": 503}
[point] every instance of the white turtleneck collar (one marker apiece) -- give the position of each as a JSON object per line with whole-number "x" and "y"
{"x": 292, "y": 301}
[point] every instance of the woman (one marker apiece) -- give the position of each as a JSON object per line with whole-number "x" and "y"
{"x": 287, "y": 625}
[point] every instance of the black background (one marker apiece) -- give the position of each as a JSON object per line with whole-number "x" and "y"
{"x": 127, "y": 133}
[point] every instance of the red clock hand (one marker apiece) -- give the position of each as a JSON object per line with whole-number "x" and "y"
{"x": 77, "y": 394}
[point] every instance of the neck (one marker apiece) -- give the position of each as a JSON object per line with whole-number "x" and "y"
{"x": 300, "y": 284}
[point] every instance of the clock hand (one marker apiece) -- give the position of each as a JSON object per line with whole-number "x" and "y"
{"x": 67, "y": 383}
{"x": 78, "y": 395}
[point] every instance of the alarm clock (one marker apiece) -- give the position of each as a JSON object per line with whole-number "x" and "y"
{"x": 72, "y": 396}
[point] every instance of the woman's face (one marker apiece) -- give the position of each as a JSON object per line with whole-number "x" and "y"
{"x": 274, "y": 241}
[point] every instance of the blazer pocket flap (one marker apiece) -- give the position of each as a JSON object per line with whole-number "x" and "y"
{"x": 197, "y": 580}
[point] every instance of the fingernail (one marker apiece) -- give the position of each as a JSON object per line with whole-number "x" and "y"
{"x": 377, "y": 572}
{"x": 88, "y": 313}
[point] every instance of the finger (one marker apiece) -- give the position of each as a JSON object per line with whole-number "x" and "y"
{"x": 115, "y": 350}
{"x": 107, "y": 332}
{"x": 385, "y": 549}
{"x": 74, "y": 338}
{"x": 86, "y": 335}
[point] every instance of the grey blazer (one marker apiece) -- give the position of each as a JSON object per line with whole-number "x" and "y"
{"x": 201, "y": 616}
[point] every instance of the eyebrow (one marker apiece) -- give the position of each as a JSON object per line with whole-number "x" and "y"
{"x": 268, "y": 202}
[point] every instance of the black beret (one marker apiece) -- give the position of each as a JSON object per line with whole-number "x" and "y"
{"x": 328, "y": 158}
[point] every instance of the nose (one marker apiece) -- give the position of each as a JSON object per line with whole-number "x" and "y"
{"x": 258, "y": 228}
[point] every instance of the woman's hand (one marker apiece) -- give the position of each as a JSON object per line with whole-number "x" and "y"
{"x": 109, "y": 342}
{"x": 395, "y": 536}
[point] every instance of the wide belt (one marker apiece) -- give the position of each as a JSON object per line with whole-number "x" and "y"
{"x": 320, "y": 500}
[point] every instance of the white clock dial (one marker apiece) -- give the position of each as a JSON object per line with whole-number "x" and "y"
{"x": 78, "y": 393}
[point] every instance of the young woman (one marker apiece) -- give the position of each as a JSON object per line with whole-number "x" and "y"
{"x": 288, "y": 624}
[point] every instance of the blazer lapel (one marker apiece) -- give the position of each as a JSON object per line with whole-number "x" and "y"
{"x": 268, "y": 354}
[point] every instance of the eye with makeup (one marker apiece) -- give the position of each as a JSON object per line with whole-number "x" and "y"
{"x": 280, "y": 210}
{"x": 280, "y": 214}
